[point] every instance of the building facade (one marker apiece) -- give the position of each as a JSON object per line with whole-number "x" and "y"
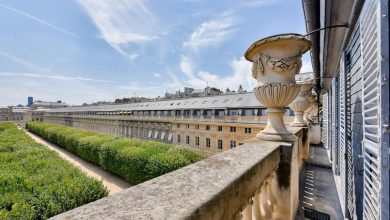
{"x": 17, "y": 114}
{"x": 351, "y": 63}
{"x": 47, "y": 105}
{"x": 210, "y": 124}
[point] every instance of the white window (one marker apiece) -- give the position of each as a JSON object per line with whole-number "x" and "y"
{"x": 208, "y": 143}
{"x": 219, "y": 128}
{"x": 233, "y": 144}
{"x": 187, "y": 139}
{"x": 233, "y": 129}
{"x": 248, "y": 130}
{"x": 162, "y": 136}
{"x": 197, "y": 141}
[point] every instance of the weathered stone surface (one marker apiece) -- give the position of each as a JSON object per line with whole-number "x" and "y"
{"x": 276, "y": 61}
{"x": 215, "y": 188}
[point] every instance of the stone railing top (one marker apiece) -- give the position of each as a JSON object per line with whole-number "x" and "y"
{"x": 214, "y": 188}
{"x": 296, "y": 130}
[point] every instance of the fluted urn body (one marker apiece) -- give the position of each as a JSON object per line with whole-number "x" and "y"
{"x": 311, "y": 112}
{"x": 276, "y": 61}
{"x": 300, "y": 104}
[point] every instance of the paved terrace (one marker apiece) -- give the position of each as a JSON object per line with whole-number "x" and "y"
{"x": 317, "y": 186}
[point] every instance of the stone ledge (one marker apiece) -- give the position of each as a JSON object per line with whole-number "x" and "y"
{"x": 215, "y": 188}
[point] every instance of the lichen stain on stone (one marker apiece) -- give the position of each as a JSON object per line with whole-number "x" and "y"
{"x": 283, "y": 173}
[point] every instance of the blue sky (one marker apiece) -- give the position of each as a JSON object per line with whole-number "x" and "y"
{"x": 89, "y": 50}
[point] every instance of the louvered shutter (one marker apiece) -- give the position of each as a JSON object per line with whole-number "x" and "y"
{"x": 325, "y": 113}
{"x": 375, "y": 112}
{"x": 342, "y": 133}
{"x": 353, "y": 133}
{"x": 335, "y": 125}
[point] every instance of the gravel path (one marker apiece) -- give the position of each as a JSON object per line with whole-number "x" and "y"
{"x": 113, "y": 183}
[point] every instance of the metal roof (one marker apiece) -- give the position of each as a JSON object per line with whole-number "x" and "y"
{"x": 244, "y": 100}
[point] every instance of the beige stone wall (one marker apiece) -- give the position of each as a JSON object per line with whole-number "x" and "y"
{"x": 194, "y": 128}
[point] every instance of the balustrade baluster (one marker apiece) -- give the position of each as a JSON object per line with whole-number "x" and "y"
{"x": 266, "y": 211}
{"x": 247, "y": 212}
{"x": 256, "y": 213}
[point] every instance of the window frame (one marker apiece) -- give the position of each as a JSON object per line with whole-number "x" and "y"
{"x": 220, "y": 144}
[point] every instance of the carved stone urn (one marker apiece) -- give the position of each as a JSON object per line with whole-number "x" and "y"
{"x": 312, "y": 110}
{"x": 276, "y": 61}
{"x": 300, "y": 104}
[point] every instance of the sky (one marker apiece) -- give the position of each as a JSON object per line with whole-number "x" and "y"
{"x": 83, "y": 51}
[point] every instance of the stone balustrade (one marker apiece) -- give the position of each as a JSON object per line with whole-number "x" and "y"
{"x": 257, "y": 180}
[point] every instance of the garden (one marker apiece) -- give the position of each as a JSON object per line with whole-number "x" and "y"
{"x": 35, "y": 183}
{"x": 133, "y": 159}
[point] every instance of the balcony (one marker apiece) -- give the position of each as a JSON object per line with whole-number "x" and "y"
{"x": 257, "y": 180}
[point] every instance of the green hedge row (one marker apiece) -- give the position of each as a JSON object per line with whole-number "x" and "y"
{"x": 35, "y": 183}
{"x": 133, "y": 159}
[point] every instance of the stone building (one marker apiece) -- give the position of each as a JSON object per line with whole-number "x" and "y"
{"x": 5, "y": 113}
{"x": 47, "y": 105}
{"x": 16, "y": 114}
{"x": 210, "y": 124}
{"x": 351, "y": 65}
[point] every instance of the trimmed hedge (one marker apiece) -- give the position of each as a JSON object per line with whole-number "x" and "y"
{"x": 35, "y": 183}
{"x": 133, "y": 159}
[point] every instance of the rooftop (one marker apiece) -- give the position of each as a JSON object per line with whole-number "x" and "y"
{"x": 243, "y": 100}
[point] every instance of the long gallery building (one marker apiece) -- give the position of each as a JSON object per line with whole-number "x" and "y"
{"x": 210, "y": 124}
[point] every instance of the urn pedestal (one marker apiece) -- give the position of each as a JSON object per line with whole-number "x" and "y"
{"x": 276, "y": 61}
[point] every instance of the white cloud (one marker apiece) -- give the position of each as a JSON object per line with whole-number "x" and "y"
{"x": 157, "y": 75}
{"x": 22, "y": 62}
{"x": 254, "y": 3}
{"x": 44, "y": 84}
{"x": 122, "y": 23}
{"x": 187, "y": 66}
{"x": 69, "y": 91}
{"x": 41, "y": 21}
{"x": 138, "y": 89}
{"x": 306, "y": 67}
{"x": 211, "y": 32}
{"x": 55, "y": 77}
{"x": 241, "y": 75}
